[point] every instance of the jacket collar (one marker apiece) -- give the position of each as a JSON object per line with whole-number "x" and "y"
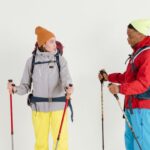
{"x": 143, "y": 43}
{"x": 46, "y": 54}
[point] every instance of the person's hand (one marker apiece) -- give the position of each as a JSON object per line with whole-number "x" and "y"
{"x": 69, "y": 90}
{"x": 113, "y": 88}
{"x": 103, "y": 76}
{"x": 11, "y": 87}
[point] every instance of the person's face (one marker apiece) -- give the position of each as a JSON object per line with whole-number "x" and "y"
{"x": 50, "y": 45}
{"x": 133, "y": 37}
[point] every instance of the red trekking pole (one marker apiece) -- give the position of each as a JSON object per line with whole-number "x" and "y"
{"x": 65, "y": 108}
{"x": 11, "y": 118}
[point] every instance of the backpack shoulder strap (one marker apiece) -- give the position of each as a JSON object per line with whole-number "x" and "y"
{"x": 58, "y": 62}
{"x": 136, "y": 54}
{"x": 139, "y": 51}
{"x": 32, "y": 68}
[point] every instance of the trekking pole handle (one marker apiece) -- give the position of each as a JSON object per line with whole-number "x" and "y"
{"x": 70, "y": 85}
{"x": 10, "y": 80}
{"x": 13, "y": 85}
{"x": 68, "y": 95}
{"x": 115, "y": 95}
{"x": 102, "y": 72}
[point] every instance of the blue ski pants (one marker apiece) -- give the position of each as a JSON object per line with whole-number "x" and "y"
{"x": 140, "y": 121}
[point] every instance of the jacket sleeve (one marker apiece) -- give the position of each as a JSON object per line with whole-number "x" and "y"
{"x": 142, "y": 82}
{"x": 64, "y": 73}
{"x": 117, "y": 77}
{"x": 23, "y": 88}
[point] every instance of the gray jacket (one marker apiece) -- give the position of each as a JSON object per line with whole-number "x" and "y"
{"x": 46, "y": 80}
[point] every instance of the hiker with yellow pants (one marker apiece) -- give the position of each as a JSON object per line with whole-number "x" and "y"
{"x": 46, "y": 72}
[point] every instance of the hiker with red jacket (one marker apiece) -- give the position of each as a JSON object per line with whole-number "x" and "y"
{"x": 134, "y": 83}
{"x": 47, "y": 69}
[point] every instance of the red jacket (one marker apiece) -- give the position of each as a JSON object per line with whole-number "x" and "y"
{"x": 135, "y": 82}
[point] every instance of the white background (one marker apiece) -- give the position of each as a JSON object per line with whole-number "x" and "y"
{"x": 94, "y": 35}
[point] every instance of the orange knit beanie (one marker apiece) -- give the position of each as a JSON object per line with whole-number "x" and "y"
{"x": 43, "y": 35}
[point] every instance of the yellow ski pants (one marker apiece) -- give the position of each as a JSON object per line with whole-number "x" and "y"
{"x": 46, "y": 122}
